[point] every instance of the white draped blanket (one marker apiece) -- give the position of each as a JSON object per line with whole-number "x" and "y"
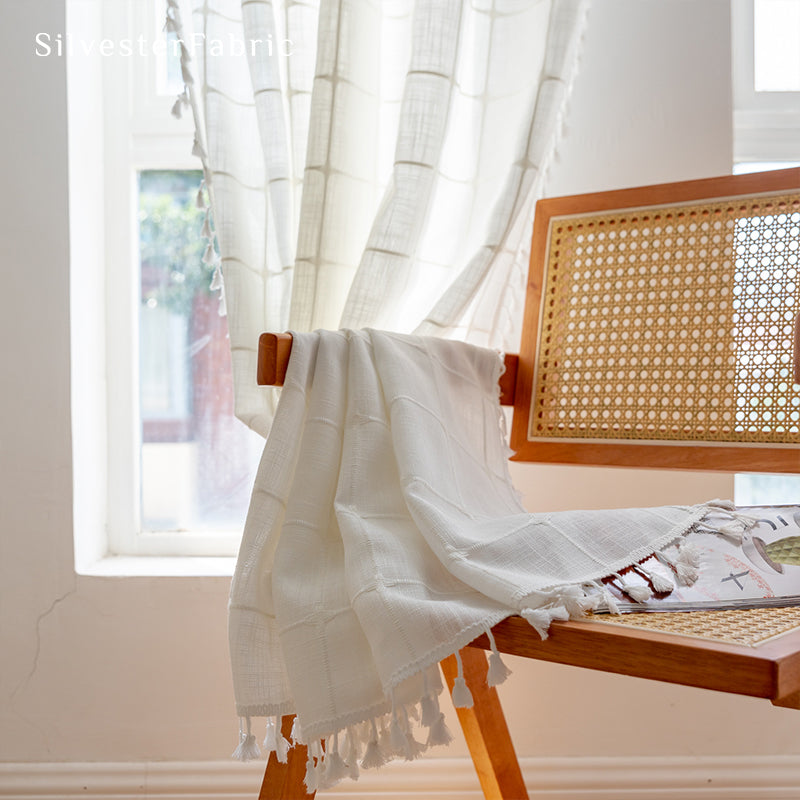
{"x": 384, "y": 534}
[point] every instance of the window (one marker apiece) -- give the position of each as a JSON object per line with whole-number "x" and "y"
{"x": 179, "y": 465}
{"x": 766, "y": 81}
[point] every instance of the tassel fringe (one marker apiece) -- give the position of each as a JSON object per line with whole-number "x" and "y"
{"x": 297, "y": 733}
{"x": 335, "y": 768}
{"x": 498, "y": 671}
{"x": 660, "y": 583}
{"x": 462, "y": 696}
{"x": 439, "y": 733}
{"x": 639, "y": 594}
{"x": 373, "y": 757}
{"x": 429, "y": 710}
{"x": 269, "y": 742}
{"x": 247, "y": 749}
{"x": 372, "y": 743}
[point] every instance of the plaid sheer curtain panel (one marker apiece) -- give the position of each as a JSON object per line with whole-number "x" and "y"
{"x": 372, "y": 164}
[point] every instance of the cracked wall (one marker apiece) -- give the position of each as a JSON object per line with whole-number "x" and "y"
{"x": 135, "y": 669}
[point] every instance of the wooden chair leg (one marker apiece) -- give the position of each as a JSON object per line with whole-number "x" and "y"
{"x": 485, "y": 730}
{"x": 286, "y": 781}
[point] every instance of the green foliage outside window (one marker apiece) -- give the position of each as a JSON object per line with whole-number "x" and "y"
{"x": 170, "y": 241}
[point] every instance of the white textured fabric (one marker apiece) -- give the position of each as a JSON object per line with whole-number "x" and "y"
{"x": 385, "y": 534}
{"x": 374, "y": 164}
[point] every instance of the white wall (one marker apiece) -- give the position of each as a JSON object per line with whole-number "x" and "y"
{"x": 129, "y": 669}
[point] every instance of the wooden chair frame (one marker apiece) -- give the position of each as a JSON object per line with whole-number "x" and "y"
{"x": 769, "y": 670}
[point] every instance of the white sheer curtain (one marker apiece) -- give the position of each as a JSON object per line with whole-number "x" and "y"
{"x": 373, "y": 163}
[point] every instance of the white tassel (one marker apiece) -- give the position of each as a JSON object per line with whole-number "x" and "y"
{"x": 319, "y": 767}
{"x": 199, "y": 200}
{"x": 639, "y": 594}
{"x": 723, "y": 505}
{"x": 661, "y": 583}
{"x": 577, "y": 602}
{"x": 210, "y": 255}
{"x": 373, "y": 757}
{"x": 319, "y": 771}
{"x": 541, "y": 618}
{"x": 247, "y": 750}
{"x": 216, "y": 279}
{"x": 462, "y": 696}
{"x": 297, "y": 732}
{"x": 439, "y": 733}
{"x": 335, "y": 768}
{"x": 689, "y": 554}
{"x": 205, "y": 231}
{"x": 610, "y": 602}
{"x": 274, "y": 740}
{"x": 353, "y": 772}
{"x": 197, "y": 150}
{"x": 281, "y": 747}
{"x": 687, "y": 574}
{"x": 364, "y": 731}
{"x": 311, "y": 774}
{"x": 735, "y": 535}
{"x": 398, "y": 738}
{"x": 429, "y": 706}
{"x": 177, "y": 108}
{"x": 385, "y": 742}
{"x": 352, "y": 753}
{"x": 413, "y": 749}
{"x": 270, "y": 742}
{"x": 498, "y": 671}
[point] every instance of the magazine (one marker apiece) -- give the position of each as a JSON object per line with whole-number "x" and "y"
{"x": 754, "y": 563}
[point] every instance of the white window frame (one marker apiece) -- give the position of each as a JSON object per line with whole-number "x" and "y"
{"x": 114, "y": 133}
{"x": 766, "y": 125}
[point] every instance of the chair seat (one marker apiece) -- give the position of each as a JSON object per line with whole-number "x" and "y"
{"x": 762, "y": 664}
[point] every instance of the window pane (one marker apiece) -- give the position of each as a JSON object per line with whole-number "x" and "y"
{"x": 767, "y": 490}
{"x": 197, "y": 460}
{"x": 165, "y": 47}
{"x": 752, "y": 489}
{"x": 776, "y": 45}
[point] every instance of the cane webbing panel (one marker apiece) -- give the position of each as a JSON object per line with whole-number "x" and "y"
{"x": 739, "y": 626}
{"x": 671, "y": 323}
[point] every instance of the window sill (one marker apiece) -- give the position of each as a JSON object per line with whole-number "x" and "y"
{"x": 160, "y": 566}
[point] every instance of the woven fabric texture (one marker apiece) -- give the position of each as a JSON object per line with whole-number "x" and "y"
{"x": 385, "y": 534}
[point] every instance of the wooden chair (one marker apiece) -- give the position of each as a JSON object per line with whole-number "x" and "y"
{"x": 660, "y": 330}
